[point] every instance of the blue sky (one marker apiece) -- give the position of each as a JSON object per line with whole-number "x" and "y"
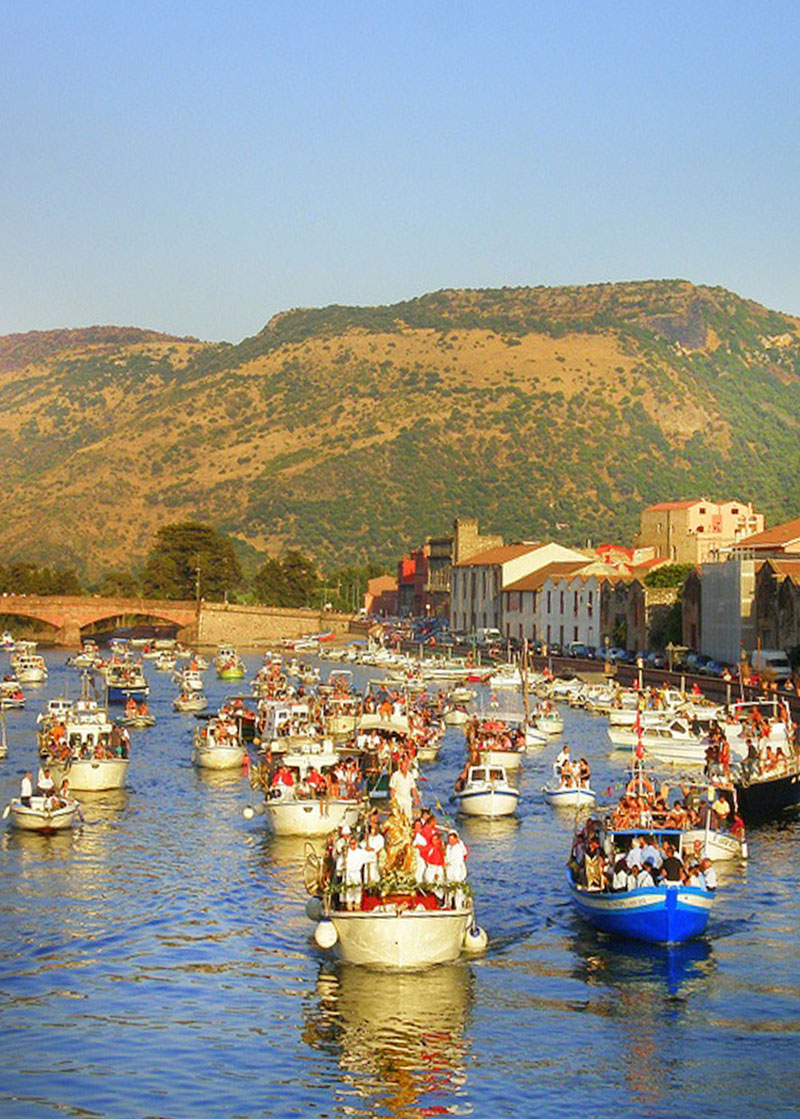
{"x": 196, "y": 167}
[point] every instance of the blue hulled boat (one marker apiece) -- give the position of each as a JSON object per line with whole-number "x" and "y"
{"x": 663, "y": 914}
{"x": 658, "y": 914}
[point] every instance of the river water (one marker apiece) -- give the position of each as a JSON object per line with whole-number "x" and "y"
{"x": 158, "y": 962}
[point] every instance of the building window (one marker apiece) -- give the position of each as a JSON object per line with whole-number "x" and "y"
{"x": 549, "y": 607}
{"x": 575, "y": 604}
{"x": 575, "y": 634}
{"x": 561, "y": 602}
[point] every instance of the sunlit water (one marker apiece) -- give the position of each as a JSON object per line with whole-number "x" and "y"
{"x": 159, "y": 962}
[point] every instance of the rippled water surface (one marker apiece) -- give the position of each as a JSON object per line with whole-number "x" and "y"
{"x": 158, "y": 962}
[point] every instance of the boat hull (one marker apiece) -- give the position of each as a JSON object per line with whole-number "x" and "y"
{"x": 509, "y": 759}
{"x": 218, "y": 757}
{"x": 769, "y": 799}
{"x": 401, "y": 938}
{"x": 120, "y": 694}
{"x": 311, "y": 817}
{"x": 488, "y": 802}
{"x": 568, "y": 798}
{"x": 91, "y": 775}
{"x": 656, "y": 915}
{"x": 40, "y": 819}
{"x": 717, "y": 846}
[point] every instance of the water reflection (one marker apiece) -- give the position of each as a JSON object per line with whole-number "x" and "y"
{"x": 399, "y": 1038}
{"x": 648, "y": 990}
{"x": 501, "y": 831}
{"x": 33, "y": 847}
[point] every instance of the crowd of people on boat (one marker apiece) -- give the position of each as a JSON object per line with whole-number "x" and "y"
{"x": 395, "y": 861}
{"x": 492, "y": 734}
{"x": 53, "y": 798}
{"x": 573, "y": 773}
{"x": 340, "y": 781}
{"x": 598, "y": 862}
{"x": 642, "y": 805}
{"x": 114, "y": 744}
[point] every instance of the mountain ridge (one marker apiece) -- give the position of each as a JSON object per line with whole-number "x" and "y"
{"x": 353, "y": 432}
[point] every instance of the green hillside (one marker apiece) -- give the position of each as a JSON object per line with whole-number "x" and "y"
{"x": 353, "y": 432}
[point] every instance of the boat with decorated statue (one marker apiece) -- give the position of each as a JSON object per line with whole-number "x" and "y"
{"x": 373, "y": 906}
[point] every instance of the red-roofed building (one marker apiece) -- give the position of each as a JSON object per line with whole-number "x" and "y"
{"x": 773, "y": 543}
{"x": 698, "y": 531}
{"x": 478, "y": 582}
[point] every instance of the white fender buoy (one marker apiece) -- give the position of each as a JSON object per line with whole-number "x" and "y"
{"x": 248, "y": 812}
{"x": 475, "y": 939}
{"x": 325, "y": 933}
{"x": 313, "y": 909}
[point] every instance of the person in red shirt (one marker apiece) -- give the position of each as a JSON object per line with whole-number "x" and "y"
{"x": 283, "y": 776}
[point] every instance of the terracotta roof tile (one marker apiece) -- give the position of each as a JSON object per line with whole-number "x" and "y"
{"x": 498, "y": 555}
{"x": 538, "y": 578}
{"x": 777, "y": 537}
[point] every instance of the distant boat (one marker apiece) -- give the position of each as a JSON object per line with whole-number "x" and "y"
{"x": 487, "y": 792}
{"x": 563, "y": 794}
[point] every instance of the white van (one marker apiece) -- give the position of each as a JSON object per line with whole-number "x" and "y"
{"x": 772, "y": 664}
{"x": 488, "y": 635}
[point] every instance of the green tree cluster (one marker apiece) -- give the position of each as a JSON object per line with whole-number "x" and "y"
{"x": 291, "y": 581}
{"x": 27, "y": 578}
{"x": 189, "y": 556}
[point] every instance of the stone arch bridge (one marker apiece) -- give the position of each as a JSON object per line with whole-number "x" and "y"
{"x": 67, "y": 618}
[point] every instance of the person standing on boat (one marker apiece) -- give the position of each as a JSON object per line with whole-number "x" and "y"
{"x": 403, "y": 788}
{"x": 355, "y": 859}
{"x": 455, "y": 867}
{"x": 45, "y": 785}
{"x": 26, "y": 790}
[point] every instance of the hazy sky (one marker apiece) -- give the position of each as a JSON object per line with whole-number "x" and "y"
{"x": 196, "y": 167}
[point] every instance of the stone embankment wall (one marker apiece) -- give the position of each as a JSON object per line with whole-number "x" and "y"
{"x": 261, "y": 626}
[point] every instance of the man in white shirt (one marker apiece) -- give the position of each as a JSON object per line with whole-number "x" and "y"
{"x": 26, "y": 790}
{"x": 45, "y": 784}
{"x": 355, "y": 858}
{"x": 709, "y": 874}
{"x": 403, "y": 789}
{"x": 455, "y": 866}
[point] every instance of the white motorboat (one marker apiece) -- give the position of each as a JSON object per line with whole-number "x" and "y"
{"x": 399, "y": 933}
{"x": 218, "y": 745}
{"x": 549, "y": 722}
{"x": 455, "y": 716}
{"x": 505, "y": 676}
{"x": 289, "y": 813}
{"x": 190, "y": 701}
{"x": 165, "y": 661}
{"x": 189, "y": 679}
{"x": 715, "y": 836}
{"x": 673, "y": 742}
{"x": 565, "y": 792}
{"x": 81, "y": 743}
{"x": 44, "y": 814}
{"x": 29, "y": 668}
{"x": 11, "y": 695}
{"x": 287, "y": 726}
{"x": 88, "y": 657}
{"x": 487, "y": 792}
